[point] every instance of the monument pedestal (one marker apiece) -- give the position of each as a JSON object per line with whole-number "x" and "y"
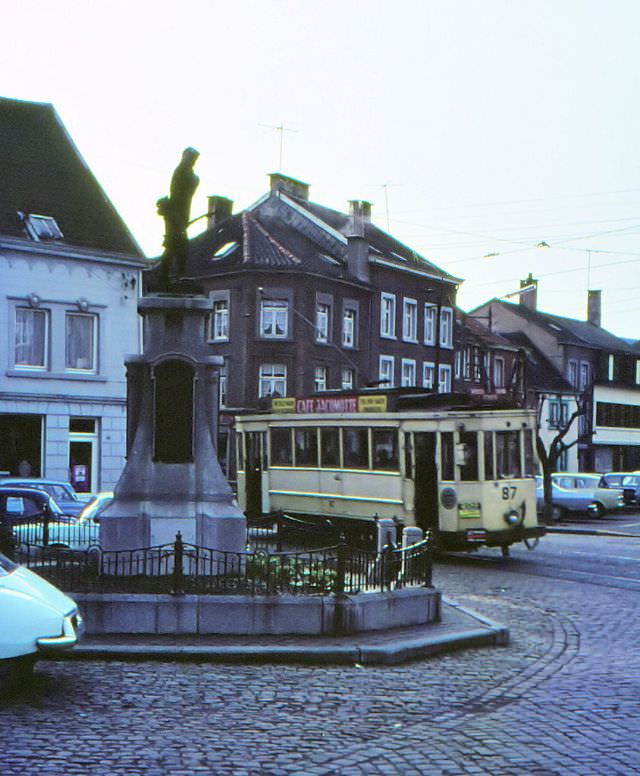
{"x": 172, "y": 481}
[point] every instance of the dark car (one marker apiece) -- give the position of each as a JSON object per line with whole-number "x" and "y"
{"x": 65, "y": 496}
{"x": 629, "y": 483}
{"x": 21, "y": 506}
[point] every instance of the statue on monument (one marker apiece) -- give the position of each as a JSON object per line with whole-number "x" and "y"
{"x": 175, "y": 210}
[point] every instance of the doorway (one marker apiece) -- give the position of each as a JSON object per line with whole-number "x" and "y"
{"x": 426, "y": 481}
{"x": 253, "y": 472}
{"x": 83, "y": 455}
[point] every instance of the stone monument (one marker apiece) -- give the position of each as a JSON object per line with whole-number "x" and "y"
{"x": 172, "y": 481}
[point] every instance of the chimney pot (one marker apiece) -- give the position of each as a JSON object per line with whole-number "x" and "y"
{"x": 219, "y": 208}
{"x": 289, "y": 186}
{"x": 529, "y": 298}
{"x": 594, "y": 307}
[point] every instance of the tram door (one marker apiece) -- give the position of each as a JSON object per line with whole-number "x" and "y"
{"x": 253, "y": 472}
{"x": 426, "y": 480}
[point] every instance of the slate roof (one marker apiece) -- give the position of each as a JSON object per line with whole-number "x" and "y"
{"x": 379, "y": 240}
{"x": 540, "y": 372}
{"x": 42, "y": 172}
{"x": 571, "y": 331}
{"x": 473, "y": 330}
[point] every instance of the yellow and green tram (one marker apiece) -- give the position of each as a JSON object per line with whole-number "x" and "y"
{"x": 464, "y": 473}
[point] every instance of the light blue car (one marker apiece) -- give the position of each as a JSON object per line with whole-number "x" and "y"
{"x": 566, "y": 500}
{"x": 75, "y": 534}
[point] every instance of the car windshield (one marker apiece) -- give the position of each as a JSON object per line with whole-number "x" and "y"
{"x": 631, "y": 481}
{"x": 6, "y": 565}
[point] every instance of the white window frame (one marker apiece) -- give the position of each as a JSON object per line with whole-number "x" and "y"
{"x": 430, "y": 317}
{"x": 274, "y": 312}
{"x": 637, "y": 371}
{"x": 387, "y": 315}
{"x": 219, "y": 325}
{"x": 408, "y": 373}
{"x": 499, "y": 372}
{"x": 409, "y": 320}
{"x": 94, "y": 342}
{"x": 271, "y": 378}
{"x": 323, "y": 321}
{"x": 444, "y": 378}
{"x": 572, "y": 373}
{"x": 349, "y": 327}
{"x": 446, "y": 327}
{"x": 347, "y": 378}
{"x": 320, "y": 378}
{"x": 428, "y": 375}
{"x": 386, "y": 371}
{"x": 45, "y": 344}
{"x": 222, "y": 387}
{"x": 611, "y": 367}
{"x": 585, "y": 375}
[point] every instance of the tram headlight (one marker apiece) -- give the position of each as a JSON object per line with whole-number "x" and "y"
{"x": 513, "y": 517}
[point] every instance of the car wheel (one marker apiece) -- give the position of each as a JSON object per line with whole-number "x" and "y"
{"x": 14, "y": 671}
{"x": 598, "y": 509}
{"x": 558, "y": 513}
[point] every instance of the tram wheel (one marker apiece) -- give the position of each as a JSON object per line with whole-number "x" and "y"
{"x": 504, "y": 548}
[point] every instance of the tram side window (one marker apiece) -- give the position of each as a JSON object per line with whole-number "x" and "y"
{"x": 329, "y": 448}
{"x": 469, "y": 470}
{"x": 356, "y": 448}
{"x": 489, "y": 467}
{"x": 508, "y": 454}
{"x": 530, "y": 464}
{"x": 281, "y": 447}
{"x": 306, "y": 446}
{"x": 446, "y": 455}
{"x": 385, "y": 449}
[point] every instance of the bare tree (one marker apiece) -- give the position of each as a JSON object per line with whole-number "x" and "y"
{"x": 549, "y": 457}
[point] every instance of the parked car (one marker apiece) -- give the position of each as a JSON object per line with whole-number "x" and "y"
{"x": 36, "y": 618}
{"x": 19, "y": 506}
{"x": 565, "y": 500}
{"x": 628, "y": 482}
{"x": 604, "y": 499}
{"x": 76, "y": 533}
{"x": 67, "y": 499}
{"x": 94, "y": 507}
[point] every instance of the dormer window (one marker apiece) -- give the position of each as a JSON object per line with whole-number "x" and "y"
{"x": 224, "y": 250}
{"x": 41, "y": 227}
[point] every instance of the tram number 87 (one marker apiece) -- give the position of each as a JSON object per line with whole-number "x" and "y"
{"x": 508, "y": 491}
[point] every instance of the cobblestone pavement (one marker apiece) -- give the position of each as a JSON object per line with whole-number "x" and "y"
{"x": 562, "y": 698}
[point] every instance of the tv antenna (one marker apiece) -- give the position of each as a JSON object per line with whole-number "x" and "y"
{"x": 385, "y": 186}
{"x": 281, "y": 129}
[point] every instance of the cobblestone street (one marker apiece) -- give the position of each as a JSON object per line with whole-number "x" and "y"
{"x": 562, "y": 698}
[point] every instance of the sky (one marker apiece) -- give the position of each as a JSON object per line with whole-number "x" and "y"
{"x": 478, "y": 129}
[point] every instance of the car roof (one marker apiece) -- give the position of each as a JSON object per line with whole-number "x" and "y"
{"x": 39, "y": 480}
{"x": 24, "y": 491}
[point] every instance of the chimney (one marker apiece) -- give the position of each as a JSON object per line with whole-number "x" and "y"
{"x": 594, "y": 307}
{"x": 529, "y": 298}
{"x": 289, "y": 186}
{"x": 357, "y": 244}
{"x": 219, "y": 209}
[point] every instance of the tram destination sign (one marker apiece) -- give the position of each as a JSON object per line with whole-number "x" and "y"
{"x": 320, "y": 404}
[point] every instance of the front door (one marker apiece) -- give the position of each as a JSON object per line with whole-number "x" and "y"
{"x": 426, "y": 481}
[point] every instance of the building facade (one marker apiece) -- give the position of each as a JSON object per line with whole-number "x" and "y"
{"x": 309, "y": 299}
{"x": 70, "y": 277}
{"x": 602, "y": 372}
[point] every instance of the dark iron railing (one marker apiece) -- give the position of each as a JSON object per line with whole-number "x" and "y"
{"x": 185, "y": 568}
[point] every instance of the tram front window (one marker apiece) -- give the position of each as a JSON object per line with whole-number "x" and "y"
{"x": 469, "y": 470}
{"x": 329, "y": 448}
{"x": 446, "y": 455}
{"x": 281, "y": 448}
{"x": 306, "y": 447}
{"x": 385, "y": 449}
{"x": 356, "y": 448}
{"x": 530, "y": 468}
{"x": 508, "y": 454}
{"x": 489, "y": 468}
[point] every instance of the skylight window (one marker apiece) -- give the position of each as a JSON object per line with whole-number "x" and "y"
{"x": 224, "y": 250}
{"x": 41, "y": 227}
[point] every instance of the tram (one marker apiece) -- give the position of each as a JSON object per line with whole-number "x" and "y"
{"x": 461, "y": 470}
